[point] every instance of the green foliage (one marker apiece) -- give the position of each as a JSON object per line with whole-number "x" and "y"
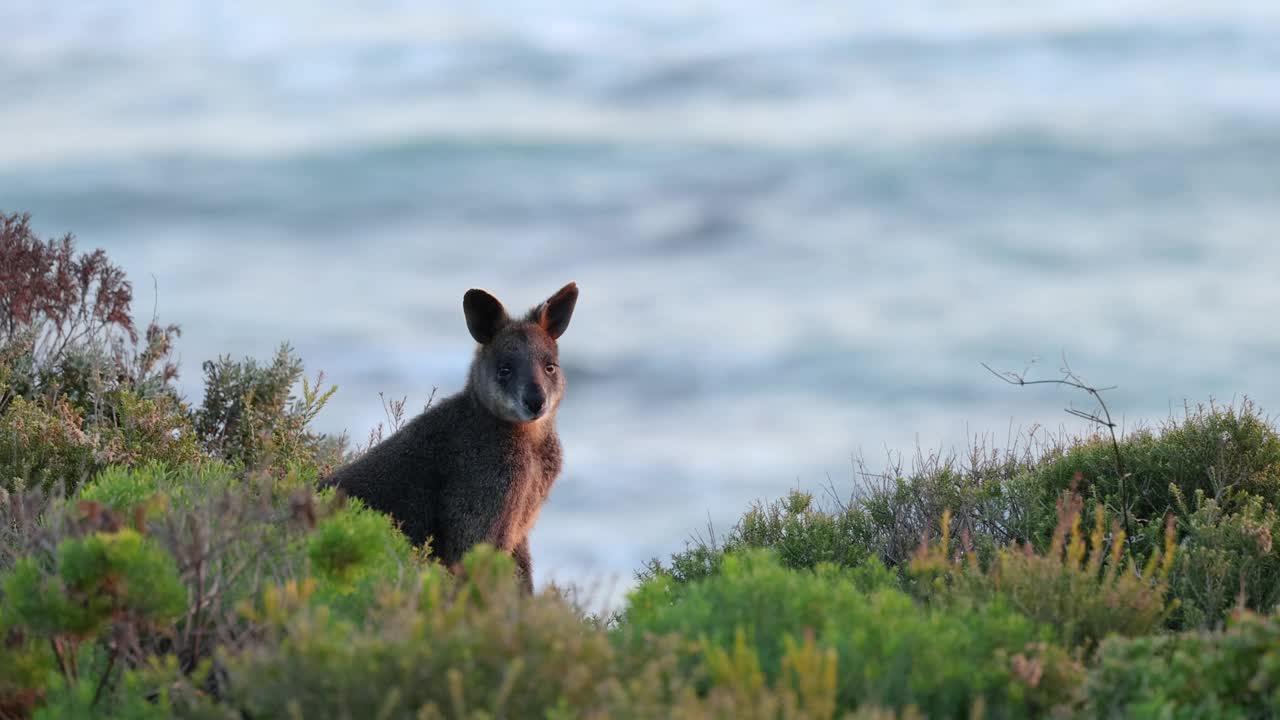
{"x": 1226, "y": 559}
{"x": 251, "y": 417}
{"x": 1232, "y": 673}
{"x": 356, "y": 554}
{"x": 97, "y": 579}
{"x": 802, "y": 534}
{"x": 1217, "y": 450}
{"x": 53, "y": 446}
{"x": 345, "y": 544}
{"x": 44, "y": 448}
{"x": 148, "y": 429}
{"x": 122, "y": 489}
{"x": 892, "y": 652}
{"x": 25, "y": 665}
{"x": 73, "y": 699}
{"x": 1082, "y": 589}
{"x": 479, "y": 648}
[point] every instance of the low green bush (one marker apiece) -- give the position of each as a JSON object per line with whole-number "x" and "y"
{"x": 802, "y": 534}
{"x": 1217, "y": 450}
{"x": 101, "y": 593}
{"x": 44, "y": 448}
{"x": 1231, "y": 673}
{"x": 251, "y": 417}
{"x": 1082, "y": 589}
{"x": 479, "y": 648}
{"x": 891, "y": 652}
{"x": 1227, "y": 559}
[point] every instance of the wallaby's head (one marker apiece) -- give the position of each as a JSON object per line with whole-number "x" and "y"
{"x": 516, "y": 372}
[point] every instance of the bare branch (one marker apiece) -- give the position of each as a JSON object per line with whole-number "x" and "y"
{"x": 1102, "y": 418}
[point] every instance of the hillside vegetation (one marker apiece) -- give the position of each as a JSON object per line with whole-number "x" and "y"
{"x": 159, "y": 559}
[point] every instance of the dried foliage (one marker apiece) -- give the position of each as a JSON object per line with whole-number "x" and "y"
{"x": 66, "y": 315}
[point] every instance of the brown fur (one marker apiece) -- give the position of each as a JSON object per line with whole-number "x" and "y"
{"x": 477, "y": 466}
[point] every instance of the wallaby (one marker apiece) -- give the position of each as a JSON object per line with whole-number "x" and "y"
{"x": 477, "y": 466}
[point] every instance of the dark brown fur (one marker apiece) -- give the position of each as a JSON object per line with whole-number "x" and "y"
{"x": 477, "y": 466}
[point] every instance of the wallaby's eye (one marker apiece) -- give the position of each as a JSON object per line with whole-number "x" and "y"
{"x": 551, "y": 369}
{"x": 504, "y": 372}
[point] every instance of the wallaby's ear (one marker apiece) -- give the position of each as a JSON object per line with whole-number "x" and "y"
{"x": 553, "y": 315}
{"x": 485, "y": 315}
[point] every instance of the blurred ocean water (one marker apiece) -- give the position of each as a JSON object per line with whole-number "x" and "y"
{"x": 799, "y": 228}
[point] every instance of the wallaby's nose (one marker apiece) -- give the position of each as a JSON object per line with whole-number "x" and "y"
{"x": 534, "y": 401}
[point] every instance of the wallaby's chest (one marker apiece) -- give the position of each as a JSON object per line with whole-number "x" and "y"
{"x": 522, "y": 486}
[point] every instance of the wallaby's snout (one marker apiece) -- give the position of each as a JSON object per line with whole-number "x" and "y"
{"x": 516, "y": 372}
{"x": 534, "y": 400}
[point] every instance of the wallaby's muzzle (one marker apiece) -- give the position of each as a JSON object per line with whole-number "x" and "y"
{"x": 534, "y": 401}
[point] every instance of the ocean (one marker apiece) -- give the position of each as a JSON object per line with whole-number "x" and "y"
{"x": 799, "y": 229}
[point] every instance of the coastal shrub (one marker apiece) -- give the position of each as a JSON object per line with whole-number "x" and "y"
{"x": 26, "y": 663}
{"x": 475, "y": 648}
{"x": 80, "y": 388}
{"x": 251, "y": 417}
{"x": 355, "y": 555}
{"x": 50, "y": 445}
{"x": 1226, "y": 560}
{"x": 890, "y": 651}
{"x": 93, "y": 597}
{"x": 97, "y": 580}
{"x": 44, "y": 449}
{"x": 1001, "y": 497}
{"x": 1229, "y": 673}
{"x": 66, "y": 329}
{"x": 1221, "y": 451}
{"x": 802, "y": 534}
{"x": 1083, "y": 589}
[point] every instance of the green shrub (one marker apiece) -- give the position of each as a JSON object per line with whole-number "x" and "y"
{"x": 222, "y": 531}
{"x": 147, "y": 430}
{"x": 55, "y": 448}
{"x": 42, "y": 448}
{"x": 1214, "y": 450}
{"x": 802, "y": 535}
{"x": 1233, "y": 673}
{"x": 25, "y": 666}
{"x": 479, "y": 647}
{"x": 73, "y": 699}
{"x": 1226, "y": 558}
{"x": 122, "y": 489}
{"x": 251, "y": 417}
{"x": 1000, "y": 497}
{"x": 1082, "y": 590}
{"x": 356, "y": 554}
{"x": 95, "y": 597}
{"x": 97, "y": 579}
{"x": 891, "y": 652}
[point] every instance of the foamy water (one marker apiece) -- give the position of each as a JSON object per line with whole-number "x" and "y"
{"x": 798, "y": 229}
